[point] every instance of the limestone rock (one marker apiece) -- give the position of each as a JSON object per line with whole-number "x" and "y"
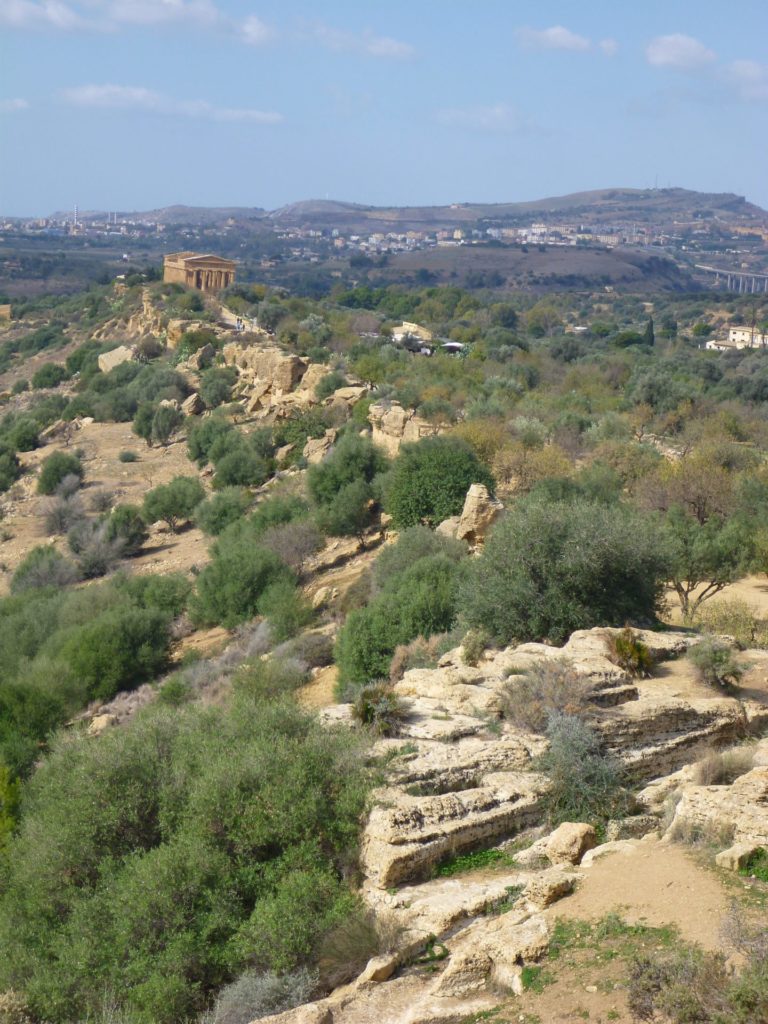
{"x": 478, "y": 515}
{"x": 493, "y": 951}
{"x": 379, "y": 968}
{"x": 193, "y": 405}
{"x": 392, "y": 426}
{"x": 635, "y": 827}
{"x": 109, "y": 360}
{"x": 405, "y": 835}
{"x": 569, "y": 842}
{"x": 736, "y": 856}
{"x": 280, "y": 370}
{"x": 741, "y": 809}
{"x": 624, "y": 847}
{"x": 202, "y": 357}
{"x": 317, "y": 448}
{"x": 100, "y": 723}
{"x": 547, "y": 887}
{"x": 310, "y": 1013}
{"x": 448, "y": 527}
{"x": 313, "y": 376}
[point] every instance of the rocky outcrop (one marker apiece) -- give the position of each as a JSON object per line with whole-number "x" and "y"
{"x": 193, "y": 405}
{"x": 479, "y": 514}
{"x": 280, "y": 371}
{"x": 739, "y": 811}
{"x": 115, "y": 357}
{"x": 405, "y": 836}
{"x": 392, "y": 425}
{"x": 317, "y": 448}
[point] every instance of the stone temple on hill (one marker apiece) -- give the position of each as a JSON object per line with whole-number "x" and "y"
{"x": 206, "y": 272}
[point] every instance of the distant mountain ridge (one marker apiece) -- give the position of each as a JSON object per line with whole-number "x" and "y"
{"x": 645, "y": 206}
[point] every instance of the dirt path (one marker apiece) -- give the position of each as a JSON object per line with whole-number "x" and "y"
{"x": 652, "y": 883}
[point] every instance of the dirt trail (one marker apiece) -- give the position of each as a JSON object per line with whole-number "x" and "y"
{"x": 653, "y": 883}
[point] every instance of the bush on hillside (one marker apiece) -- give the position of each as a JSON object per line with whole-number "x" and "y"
{"x": 715, "y": 662}
{"x": 216, "y": 386}
{"x": 429, "y": 481}
{"x": 126, "y": 525}
{"x": 231, "y": 586}
{"x": 55, "y": 468}
{"x": 222, "y": 509}
{"x": 50, "y": 375}
{"x": 549, "y": 687}
{"x": 586, "y": 784}
{"x": 186, "y": 853}
{"x": 10, "y": 467}
{"x": 43, "y": 567}
{"x": 175, "y": 502}
{"x": 549, "y": 569}
{"x": 202, "y": 436}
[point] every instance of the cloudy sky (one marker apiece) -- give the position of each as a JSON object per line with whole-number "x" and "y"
{"x": 133, "y": 104}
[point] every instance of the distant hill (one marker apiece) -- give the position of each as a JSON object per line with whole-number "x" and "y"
{"x": 657, "y": 207}
{"x": 175, "y": 215}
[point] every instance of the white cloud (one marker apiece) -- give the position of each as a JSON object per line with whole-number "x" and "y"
{"x": 749, "y": 78}
{"x": 256, "y": 32}
{"x": 497, "y": 117}
{"x": 555, "y": 38}
{"x": 366, "y": 43}
{"x": 609, "y": 47}
{"x": 133, "y": 97}
{"x": 158, "y": 12}
{"x": 9, "y": 106}
{"x": 681, "y": 52}
{"x": 37, "y": 14}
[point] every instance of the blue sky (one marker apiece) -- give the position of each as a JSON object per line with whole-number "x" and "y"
{"x": 133, "y": 104}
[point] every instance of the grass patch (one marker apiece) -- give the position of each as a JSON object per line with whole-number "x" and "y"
{"x": 475, "y": 861}
{"x": 535, "y": 978}
{"x": 610, "y": 938}
{"x": 757, "y": 865}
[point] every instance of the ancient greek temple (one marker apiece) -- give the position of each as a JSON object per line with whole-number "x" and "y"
{"x": 195, "y": 270}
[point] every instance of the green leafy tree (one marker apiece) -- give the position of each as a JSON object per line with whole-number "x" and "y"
{"x": 548, "y": 569}
{"x": 429, "y": 481}
{"x": 705, "y": 556}
{"x": 174, "y": 502}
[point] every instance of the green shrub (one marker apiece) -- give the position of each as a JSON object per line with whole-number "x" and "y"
{"x": 50, "y": 375}
{"x": 216, "y": 386}
{"x": 270, "y": 678}
{"x": 10, "y": 467}
{"x": 230, "y": 588}
{"x": 421, "y": 601}
{"x": 586, "y": 784}
{"x": 326, "y": 386}
{"x": 168, "y": 593}
{"x": 127, "y": 455}
{"x": 19, "y": 387}
{"x": 126, "y": 525}
{"x": 548, "y": 687}
{"x": 354, "y": 459}
{"x": 204, "y": 434}
{"x": 43, "y": 567}
{"x": 191, "y": 845}
{"x": 54, "y": 468}
{"x": 220, "y": 510}
{"x": 414, "y": 543}
{"x": 241, "y": 468}
{"x": 629, "y": 653}
{"x": 715, "y": 663}
{"x": 286, "y": 608}
{"x": 429, "y": 481}
{"x": 548, "y": 569}
{"x": 379, "y": 707}
{"x": 257, "y": 994}
{"x": 121, "y": 649}
{"x": 174, "y": 502}
{"x": 24, "y": 435}
{"x": 474, "y": 644}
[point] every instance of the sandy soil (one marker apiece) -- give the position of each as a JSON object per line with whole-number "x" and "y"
{"x": 656, "y": 884}
{"x": 23, "y": 522}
